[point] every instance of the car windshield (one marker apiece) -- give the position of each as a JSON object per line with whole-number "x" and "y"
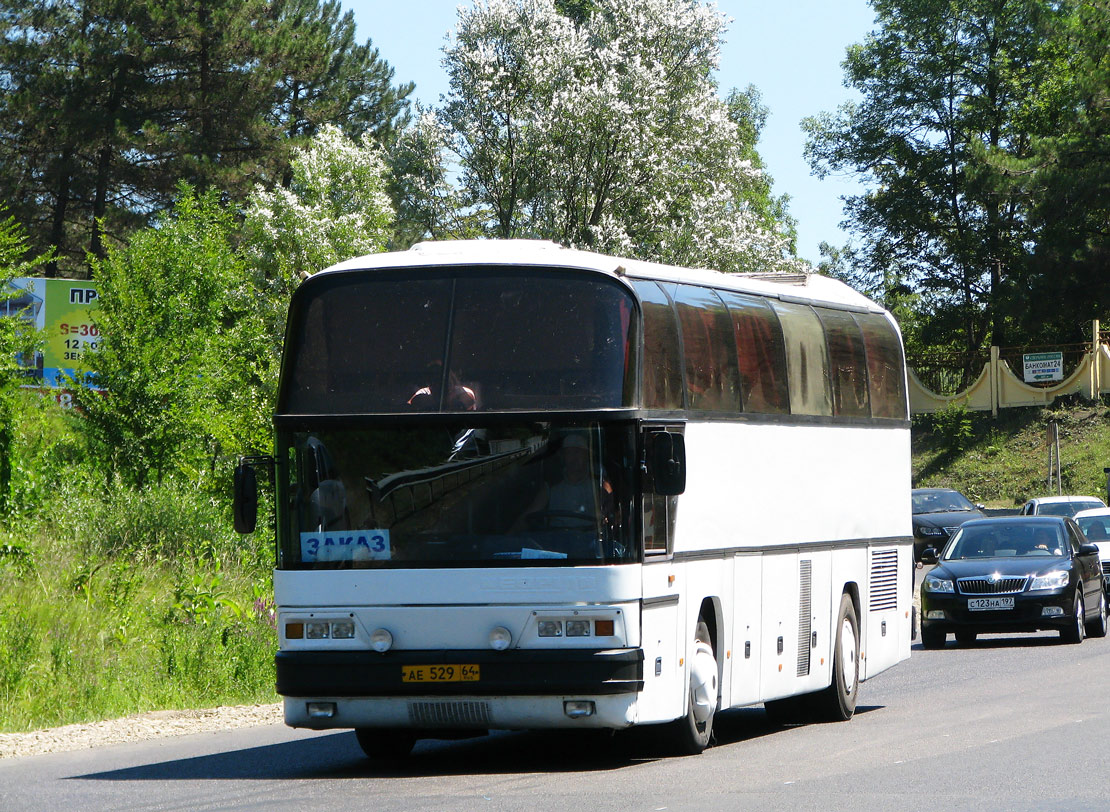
{"x": 520, "y": 494}
{"x": 940, "y": 502}
{"x": 1096, "y": 528}
{"x": 1066, "y": 508}
{"x": 1006, "y": 540}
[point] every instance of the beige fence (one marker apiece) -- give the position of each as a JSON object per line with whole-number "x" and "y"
{"x": 998, "y": 387}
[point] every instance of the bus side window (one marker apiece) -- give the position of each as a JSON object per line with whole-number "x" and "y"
{"x": 807, "y": 359}
{"x": 885, "y": 368}
{"x": 662, "y": 386}
{"x": 761, "y": 354}
{"x": 712, "y": 379}
{"x": 847, "y": 363}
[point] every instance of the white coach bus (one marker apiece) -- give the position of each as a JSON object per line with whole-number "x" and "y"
{"x": 522, "y": 486}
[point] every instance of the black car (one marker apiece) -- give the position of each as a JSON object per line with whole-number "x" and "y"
{"x": 937, "y": 514}
{"x": 1013, "y": 574}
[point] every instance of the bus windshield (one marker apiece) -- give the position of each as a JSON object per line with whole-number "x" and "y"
{"x": 521, "y": 494}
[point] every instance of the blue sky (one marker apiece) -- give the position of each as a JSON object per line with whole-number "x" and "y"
{"x": 791, "y": 50}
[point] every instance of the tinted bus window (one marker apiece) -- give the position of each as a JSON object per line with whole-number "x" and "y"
{"x": 761, "y": 354}
{"x": 847, "y": 363}
{"x": 885, "y": 367}
{"x": 364, "y": 345}
{"x": 540, "y": 343}
{"x": 662, "y": 387}
{"x": 360, "y": 343}
{"x": 806, "y": 359}
{"x": 709, "y": 350}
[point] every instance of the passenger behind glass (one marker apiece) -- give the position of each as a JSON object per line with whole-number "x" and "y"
{"x": 459, "y": 398}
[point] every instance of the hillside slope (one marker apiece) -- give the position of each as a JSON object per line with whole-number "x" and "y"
{"x": 1003, "y": 461}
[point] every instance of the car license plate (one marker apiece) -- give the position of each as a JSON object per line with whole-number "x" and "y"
{"x": 440, "y": 673}
{"x": 981, "y": 604}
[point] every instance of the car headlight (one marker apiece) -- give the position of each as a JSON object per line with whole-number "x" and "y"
{"x": 932, "y": 532}
{"x": 934, "y": 584}
{"x": 1051, "y": 580}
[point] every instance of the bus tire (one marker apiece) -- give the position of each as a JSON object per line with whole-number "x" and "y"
{"x": 693, "y": 732}
{"x": 837, "y": 703}
{"x": 385, "y": 743}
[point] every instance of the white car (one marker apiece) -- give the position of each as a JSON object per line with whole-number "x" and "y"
{"x": 1095, "y": 524}
{"x": 1060, "y": 505}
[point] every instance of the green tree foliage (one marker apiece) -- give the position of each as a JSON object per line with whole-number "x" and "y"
{"x": 108, "y": 104}
{"x": 598, "y": 124}
{"x": 182, "y": 356}
{"x": 1066, "y": 180}
{"x": 943, "y": 86}
{"x": 16, "y": 340}
{"x": 428, "y": 204}
{"x": 323, "y": 76}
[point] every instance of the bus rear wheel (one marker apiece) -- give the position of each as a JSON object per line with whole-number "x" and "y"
{"x": 837, "y": 703}
{"x": 693, "y": 732}
{"x": 385, "y": 743}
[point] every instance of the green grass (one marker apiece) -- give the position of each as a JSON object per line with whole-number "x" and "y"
{"x": 135, "y": 602}
{"x": 1003, "y": 461}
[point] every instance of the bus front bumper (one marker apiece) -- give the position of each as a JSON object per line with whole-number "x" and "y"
{"x": 521, "y": 672}
{"x": 512, "y": 689}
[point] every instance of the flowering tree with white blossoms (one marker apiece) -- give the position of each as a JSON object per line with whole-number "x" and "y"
{"x": 334, "y": 208}
{"x": 602, "y": 128}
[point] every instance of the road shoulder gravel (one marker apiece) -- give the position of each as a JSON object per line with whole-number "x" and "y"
{"x": 138, "y": 727}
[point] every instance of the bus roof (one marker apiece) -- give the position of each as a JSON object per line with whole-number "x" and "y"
{"x": 785, "y": 286}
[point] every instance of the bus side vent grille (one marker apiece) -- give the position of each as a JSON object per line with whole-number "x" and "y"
{"x": 805, "y": 615}
{"x": 884, "y": 580}
{"x": 449, "y": 714}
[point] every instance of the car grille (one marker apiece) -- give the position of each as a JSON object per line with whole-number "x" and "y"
{"x": 1106, "y": 568}
{"x": 983, "y": 586}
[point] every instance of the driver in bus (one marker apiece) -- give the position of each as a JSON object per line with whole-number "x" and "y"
{"x": 572, "y": 495}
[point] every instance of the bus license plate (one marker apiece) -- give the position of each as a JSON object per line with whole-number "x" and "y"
{"x": 440, "y": 673}
{"x": 981, "y": 604}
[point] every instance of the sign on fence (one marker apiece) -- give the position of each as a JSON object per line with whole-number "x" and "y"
{"x": 1043, "y": 366}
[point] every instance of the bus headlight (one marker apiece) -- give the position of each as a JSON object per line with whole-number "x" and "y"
{"x": 550, "y": 628}
{"x": 342, "y": 630}
{"x": 578, "y": 628}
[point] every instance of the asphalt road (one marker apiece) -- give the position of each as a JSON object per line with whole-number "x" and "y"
{"x": 1015, "y": 723}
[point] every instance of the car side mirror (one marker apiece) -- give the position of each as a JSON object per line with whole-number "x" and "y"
{"x": 929, "y": 556}
{"x": 245, "y": 498}
{"x": 1088, "y": 549}
{"x": 667, "y": 457}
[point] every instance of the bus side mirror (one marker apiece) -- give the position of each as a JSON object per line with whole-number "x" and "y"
{"x": 668, "y": 463}
{"x": 244, "y": 503}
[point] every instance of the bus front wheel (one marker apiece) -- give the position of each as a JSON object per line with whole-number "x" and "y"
{"x": 694, "y": 731}
{"x": 385, "y": 744}
{"x": 837, "y": 703}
